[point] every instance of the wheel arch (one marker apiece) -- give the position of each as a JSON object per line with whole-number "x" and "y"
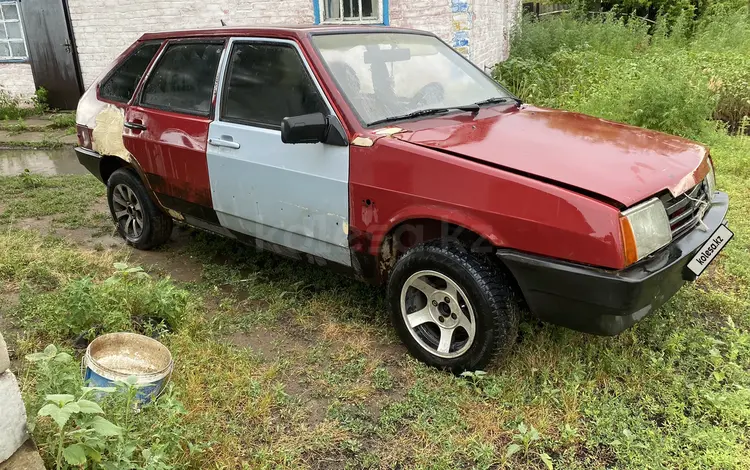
{"x": 411, "y": 231}
{"x": 110, "y": 163}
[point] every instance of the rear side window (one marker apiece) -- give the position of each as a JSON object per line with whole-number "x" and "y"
{"x": 266, "y": 83}
{"x": 183, "y": 79}
{"x": 121, "y": 84}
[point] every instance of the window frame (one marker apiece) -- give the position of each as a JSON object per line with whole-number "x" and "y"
{"x": 320, "y": 11}
{"x": 119, "y": 65}
{"x": 224, "y": 83}
{"x": 17, "y": 59}
{"x": 138, "y": 95}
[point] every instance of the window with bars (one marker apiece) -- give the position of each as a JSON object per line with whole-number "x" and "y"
{"x": 355, "y": 11}
{"x": 12, "y": 43}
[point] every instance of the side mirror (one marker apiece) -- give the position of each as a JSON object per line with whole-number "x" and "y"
{"x": 305, "y": 129}
{"x": 311, "y": 129}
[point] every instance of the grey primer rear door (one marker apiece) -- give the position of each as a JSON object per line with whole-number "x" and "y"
{"x": 296, "y": 196}
{"x": 52, "y": 51}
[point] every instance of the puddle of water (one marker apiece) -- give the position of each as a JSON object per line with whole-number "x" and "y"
{"x": 43, "y": 162}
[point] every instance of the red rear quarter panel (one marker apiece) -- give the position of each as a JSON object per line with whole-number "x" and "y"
{"x": 403, "y": 181}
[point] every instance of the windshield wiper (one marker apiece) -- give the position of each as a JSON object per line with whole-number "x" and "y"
{"x": 499, "y": 99}
{"x": 426, "y": 112}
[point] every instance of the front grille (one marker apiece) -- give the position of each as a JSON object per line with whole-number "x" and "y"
{"x": 686, "y": 210}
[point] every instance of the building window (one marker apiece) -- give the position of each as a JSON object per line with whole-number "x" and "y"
{"x": 12, "y": 44}
{"x": 354, "y": 11}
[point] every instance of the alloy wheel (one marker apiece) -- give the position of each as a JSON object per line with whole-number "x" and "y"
{"x": 128, "y": 211}
{"x": 438, "y": 314}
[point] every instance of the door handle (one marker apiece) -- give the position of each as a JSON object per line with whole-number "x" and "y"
{"x": 224, "y": 143}
{"x": 135, "y": 126}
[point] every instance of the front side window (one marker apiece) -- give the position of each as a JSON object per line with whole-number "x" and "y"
{"x": 183, "y": 79}
{"x": 386, "y": 75}
{"x": 360, "y": 11}
{"x": 121, "y": 84}
{"x": 12, "y": 44}
{"x": 265, "y": 83}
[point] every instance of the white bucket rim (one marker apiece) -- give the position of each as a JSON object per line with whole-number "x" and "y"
{"x": 111, "y": 374}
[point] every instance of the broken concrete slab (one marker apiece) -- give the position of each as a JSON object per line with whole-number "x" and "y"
{"x": 26, "y": 458}
{"x": 12, "y": 416}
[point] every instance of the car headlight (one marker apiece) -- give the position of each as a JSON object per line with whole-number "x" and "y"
{"x": 645, "y": 228}
{"x": 711, "y": 180}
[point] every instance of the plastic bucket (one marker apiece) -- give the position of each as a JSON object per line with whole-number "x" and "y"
{"x": 117, "y": 356}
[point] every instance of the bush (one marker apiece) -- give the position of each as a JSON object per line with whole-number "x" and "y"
{"x": 12, "y": 107}
{"x": 675, "y": 78}
{"x": 129, "y": 300}
{"x": 63, "y": 121}
{"x": 676, "y": 102}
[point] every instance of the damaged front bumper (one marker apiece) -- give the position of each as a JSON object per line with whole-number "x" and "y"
{"x": 607, "y": 302}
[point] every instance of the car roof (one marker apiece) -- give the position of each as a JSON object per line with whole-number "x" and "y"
{"x": 277, "y": 31}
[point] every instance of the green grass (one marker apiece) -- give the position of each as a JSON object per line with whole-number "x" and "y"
{"x": 63, "y": 121}
{"x": 330, "y": 384}
{"x": 13, "y": 108}
{"x": 280, "y": 364}
{"x": 66, "y": 198}
{"x": 672, "y": 78}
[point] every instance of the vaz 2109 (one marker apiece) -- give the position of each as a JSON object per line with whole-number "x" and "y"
{"x": 385, "y": 153}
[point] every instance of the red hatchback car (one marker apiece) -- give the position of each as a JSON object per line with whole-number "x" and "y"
{"x": 385, "y": 153}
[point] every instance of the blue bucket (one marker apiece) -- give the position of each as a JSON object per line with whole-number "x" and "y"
{"x": 117, "y": 356}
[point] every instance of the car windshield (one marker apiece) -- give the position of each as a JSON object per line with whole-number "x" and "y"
{"x": 391, "y": 75}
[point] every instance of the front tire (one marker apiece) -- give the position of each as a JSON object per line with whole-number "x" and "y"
{"x": 139, "y": 221}
{"x": 453, "y": 309}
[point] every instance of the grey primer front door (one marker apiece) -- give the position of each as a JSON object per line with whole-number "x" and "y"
{"x": 292, "y": 195}
{"x": 52, "y": 51}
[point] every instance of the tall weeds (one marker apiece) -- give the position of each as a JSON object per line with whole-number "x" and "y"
{"x": 678, "y": 76}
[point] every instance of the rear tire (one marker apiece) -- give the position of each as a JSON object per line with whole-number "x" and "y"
{"x": 139, "y": 221}
{"x": 453, "y": 309}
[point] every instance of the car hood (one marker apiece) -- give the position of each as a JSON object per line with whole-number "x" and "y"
{"x": 622, "y": 163}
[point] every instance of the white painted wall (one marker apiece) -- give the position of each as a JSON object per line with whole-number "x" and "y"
{"x": 104, "y": 28}
{"x": 16, "y": 80}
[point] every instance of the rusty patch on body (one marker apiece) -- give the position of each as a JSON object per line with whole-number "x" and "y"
{"x": 388, "y": 255}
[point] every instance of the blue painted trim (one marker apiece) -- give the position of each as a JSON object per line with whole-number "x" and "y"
{"x": 316, "y": 11}
{"x": 14, "y": 61}
{"x": 460, "y": 6}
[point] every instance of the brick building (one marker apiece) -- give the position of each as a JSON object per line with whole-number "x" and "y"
{"x": 63, "y": 45}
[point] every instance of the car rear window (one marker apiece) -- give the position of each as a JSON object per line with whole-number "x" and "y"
{"x": 267, "y": 82}
{"x": 121, "y": 83}
{"x": 183, "y": 79}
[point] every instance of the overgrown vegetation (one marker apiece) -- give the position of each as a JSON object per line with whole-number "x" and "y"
{"x": 63, "y": 121}
{"x": 675, "y": 76}
{"x": 103, "y": 427}
{"x": 83, "y": 308}
{"x": 12, "y": 107}
{"x": 280, "y": 364}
